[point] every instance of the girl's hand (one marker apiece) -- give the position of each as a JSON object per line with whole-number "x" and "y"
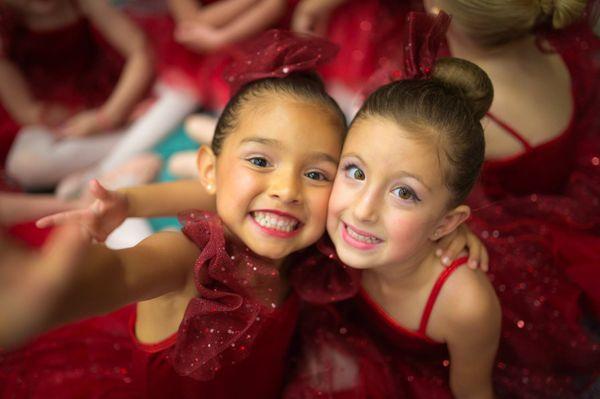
{"x": 312, "y": 16}
{"x": 32, "y": 282}
{"x": 199, "y": 37}
{"x": 83, "y": 124}
{"x": 107, "y": 212}
{"x": 462, "y": 239}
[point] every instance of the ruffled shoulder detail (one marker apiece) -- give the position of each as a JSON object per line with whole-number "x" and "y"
{"x": 238, "y": 293}
{"x": 319, "y": 276}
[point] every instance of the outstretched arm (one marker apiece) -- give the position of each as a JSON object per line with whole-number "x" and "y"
{"x": 111, "y": 208}
{"x": 71, "y": 280}
{"x": 18, "y": 207}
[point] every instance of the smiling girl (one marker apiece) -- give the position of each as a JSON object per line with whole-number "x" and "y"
{"x": 213, "y": 309}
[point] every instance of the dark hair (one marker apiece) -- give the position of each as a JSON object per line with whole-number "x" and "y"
{"x": 305, "y": 86}
{"x": 447, "y": 109}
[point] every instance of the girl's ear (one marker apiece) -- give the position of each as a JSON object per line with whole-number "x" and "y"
{"x": 453, "y": 218}
{"x": 207, "y": 164}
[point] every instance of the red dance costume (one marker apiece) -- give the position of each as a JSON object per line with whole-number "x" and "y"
{"x": 72, "y": 66}
{"x": 356, "y": 350}
{"x": 234, "y": 337}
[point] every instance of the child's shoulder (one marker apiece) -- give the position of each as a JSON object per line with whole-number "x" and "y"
{"x": 467, "y": 301}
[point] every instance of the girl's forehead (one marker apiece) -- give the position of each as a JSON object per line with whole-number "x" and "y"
{"x": 288, "y": 123}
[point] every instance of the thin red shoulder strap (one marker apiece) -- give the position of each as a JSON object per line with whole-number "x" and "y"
{"x": 510, "y": 131}
{"x": 436, "y": 291}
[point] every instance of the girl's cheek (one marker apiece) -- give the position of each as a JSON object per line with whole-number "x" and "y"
{"x": 407, "y": 231}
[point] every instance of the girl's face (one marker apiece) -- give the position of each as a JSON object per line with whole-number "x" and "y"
{"x": 388, "y": 202}
{"x": 274, "y": 174}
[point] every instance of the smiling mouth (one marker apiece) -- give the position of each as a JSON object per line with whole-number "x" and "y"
{"x": 358, "y": 238}
{"x": 275, "y": 222}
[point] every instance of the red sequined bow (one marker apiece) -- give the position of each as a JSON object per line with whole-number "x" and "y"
{"x": 424, "y": 35}
{"x": 276, "y": 54}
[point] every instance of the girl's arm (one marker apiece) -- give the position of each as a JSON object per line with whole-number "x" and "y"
{"x": 17, "y": 207}
{"x": 111, "y": 208}
{"x": 204, "y": 37}
{"x": 130, "y": 42}
{"x": 15, "y": 95}
{"x": 106, "y": 279}
{"x": 31, "y": 281}
{"x": 262, "y": 15}
{"x": 312, "y": 16}
{"x": 168, "y": 199}
{"x": 215, "y": 14}
{"x": 473, "y": 332}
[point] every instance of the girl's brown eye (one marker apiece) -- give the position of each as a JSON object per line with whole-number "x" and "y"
{"x": 354, "y": 172}
{"x": 259, "y": 161}
{"x": 405, "y": 193}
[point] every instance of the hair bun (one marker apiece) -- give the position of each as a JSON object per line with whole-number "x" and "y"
{"x": 469, "y": 79}
{"x": 562, "y": 12}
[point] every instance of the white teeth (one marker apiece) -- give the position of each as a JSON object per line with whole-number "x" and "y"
{"x": 360, "y": 237}
{"x": 275, "y": 222}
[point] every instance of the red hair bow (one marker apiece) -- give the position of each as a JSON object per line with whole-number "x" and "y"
{"x": 424, "y": 35}
{"x": 276, "y": 54}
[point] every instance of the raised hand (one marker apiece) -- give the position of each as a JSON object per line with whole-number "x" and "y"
{"x": 107, "y": 211}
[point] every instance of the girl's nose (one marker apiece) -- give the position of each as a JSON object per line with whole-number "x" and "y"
{"x": 286, "y": 187}
{"x": 366, "y": 206}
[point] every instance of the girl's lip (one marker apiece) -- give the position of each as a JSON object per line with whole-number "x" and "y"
{"x": 356, "y": 243}
{"x": 274, "y": 232}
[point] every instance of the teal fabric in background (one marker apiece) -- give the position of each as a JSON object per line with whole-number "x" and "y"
{"x": 177, "y": 141}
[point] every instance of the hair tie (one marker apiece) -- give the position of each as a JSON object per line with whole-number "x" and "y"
{"x": 277, "y": 54}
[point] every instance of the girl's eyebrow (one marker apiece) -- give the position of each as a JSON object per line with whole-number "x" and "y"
{"x": 262, "y": 140}
{"x": 323, "y": 156}
{"x": 401, "y": 173}
{"x": 316, "y": 155}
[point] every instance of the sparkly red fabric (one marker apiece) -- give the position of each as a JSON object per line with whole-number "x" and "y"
{"x": 88, "y": 359}
{"x": 276, "y": 54}
{"x": 355, "y": 350}
{"x": 72, "y": 66}
{"x": 319, "y": 277}
{"x": 423, "y": 36}
{"x": 368, "y": 33}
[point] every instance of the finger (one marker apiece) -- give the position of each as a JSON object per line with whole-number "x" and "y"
{"x": 456, "y": 246}
{"x": 485, "y": 260}
{"x": 62, "y": 218}
{"x": 443, "y": 243}
{"x": 99, "y": 191}
{"x": 301, "y": 23}
{"x": 474, "y": 247}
